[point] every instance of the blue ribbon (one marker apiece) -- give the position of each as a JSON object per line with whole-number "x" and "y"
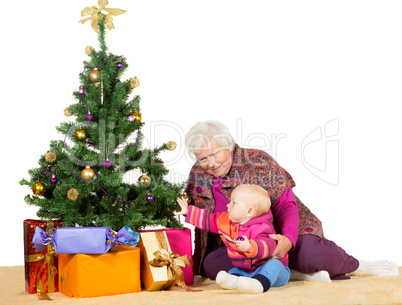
{"x": 125, "y": 236}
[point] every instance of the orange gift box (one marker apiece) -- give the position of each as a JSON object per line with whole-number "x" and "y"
{"x": 93, "y": 275}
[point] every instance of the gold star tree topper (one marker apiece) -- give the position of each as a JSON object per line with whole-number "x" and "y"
{"x": 96, "y": 14}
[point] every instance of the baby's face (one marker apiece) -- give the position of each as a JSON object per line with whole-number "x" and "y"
{"x": 238, "y": 206}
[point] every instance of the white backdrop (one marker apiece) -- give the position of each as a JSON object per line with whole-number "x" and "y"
{"x": 314, "y": 83}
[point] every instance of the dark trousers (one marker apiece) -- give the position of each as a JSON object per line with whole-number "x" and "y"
{"x": 311, "y": 254}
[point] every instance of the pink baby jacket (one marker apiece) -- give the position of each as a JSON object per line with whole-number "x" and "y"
{"x": 256, "y": 230}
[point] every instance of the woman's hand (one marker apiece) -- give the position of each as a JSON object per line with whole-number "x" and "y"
{"x": 184, "y": 206}
{"x": 243, "y": 244}
{"x": 283, "y": 246}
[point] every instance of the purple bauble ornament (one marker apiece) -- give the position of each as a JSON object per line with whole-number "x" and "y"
{"x": 53, "y": 180}
{"x": 239, "y": 238}
{"x": 81, "y": 91}
{"x": 107, "y": 163}
{"x": 131, "y": 119}
{"x": 90, "y": 117}
{"x": 150, "y": 198}
{"x": 119, "y": 65}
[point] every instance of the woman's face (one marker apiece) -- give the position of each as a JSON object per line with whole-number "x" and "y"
{"x": 215, "y": 160}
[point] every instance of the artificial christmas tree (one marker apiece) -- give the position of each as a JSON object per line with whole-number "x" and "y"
{"x": 80, "y": 178}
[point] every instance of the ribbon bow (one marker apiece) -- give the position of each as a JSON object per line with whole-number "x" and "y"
{"x": 174, "y": 262}
{"x": 125, "y": 236}
{"x": 97, "y": 15}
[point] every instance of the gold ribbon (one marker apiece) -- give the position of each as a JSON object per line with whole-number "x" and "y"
{"x": 97, "y": 15}
{"x": 51, "y": 269}
{"x": 173, "y": 261}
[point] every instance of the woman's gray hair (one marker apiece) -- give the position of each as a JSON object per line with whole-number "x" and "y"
{"x": 206, "y": 134}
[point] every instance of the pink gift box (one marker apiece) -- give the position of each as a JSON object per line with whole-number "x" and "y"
{"x": 180, "y": 242}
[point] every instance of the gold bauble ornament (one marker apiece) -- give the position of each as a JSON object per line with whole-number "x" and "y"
{"x": 95, "y": 76}
{"x": 134, "y": 82}
{"x": 38, "y": 188}
{"x": 72, "y": 194}
{"x": 145, "y": 180}
{"x": 87, "y": 173}
{"x": 137, "y": 116}
{"x": 171, "y": 145}
{"x": 185, "y": 196}
{"x": 80, "y": 135}
{"x": 89, "y": 50}
{"x": 50, "y": 157}
{"x": 67, "y": 112}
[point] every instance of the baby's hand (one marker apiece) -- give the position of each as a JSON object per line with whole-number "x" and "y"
{"x": 184, "y": 206}
{"x": 243, "y": 244}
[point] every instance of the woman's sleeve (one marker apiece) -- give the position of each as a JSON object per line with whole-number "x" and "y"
{"x": 286, "y": 215}
{"x": 197, "y": 251}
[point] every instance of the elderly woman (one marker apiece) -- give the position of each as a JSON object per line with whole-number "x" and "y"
{"x": 220, "y": 166}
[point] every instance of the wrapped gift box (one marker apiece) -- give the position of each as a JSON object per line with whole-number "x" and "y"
{"x": 84, "y": 240}
{"x": 155, "y": 278}
{"x": 37, "y": 264}
{"x": 181, "y": 243}
{"x": 93, "y": 275}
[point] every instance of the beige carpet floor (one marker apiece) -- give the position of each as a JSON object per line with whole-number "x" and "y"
{"x": 358, "y": 290}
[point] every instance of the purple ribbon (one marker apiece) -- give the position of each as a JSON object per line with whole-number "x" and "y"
{"x": 98, "y": 186}
{"x": 49, "y": 169}
{"x": 82, "y": 102}
{"x": 110, "y": 56}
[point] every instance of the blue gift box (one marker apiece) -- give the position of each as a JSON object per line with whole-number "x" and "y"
{"x": 84, "y": 240}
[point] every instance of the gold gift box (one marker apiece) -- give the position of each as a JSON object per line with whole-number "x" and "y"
{"x": 154, "y": 278}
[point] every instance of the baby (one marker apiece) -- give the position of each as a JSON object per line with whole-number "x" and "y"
{"x": 244, "y": 229}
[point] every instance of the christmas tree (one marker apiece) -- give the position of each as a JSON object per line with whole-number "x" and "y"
{"x": 80, "y": 178}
